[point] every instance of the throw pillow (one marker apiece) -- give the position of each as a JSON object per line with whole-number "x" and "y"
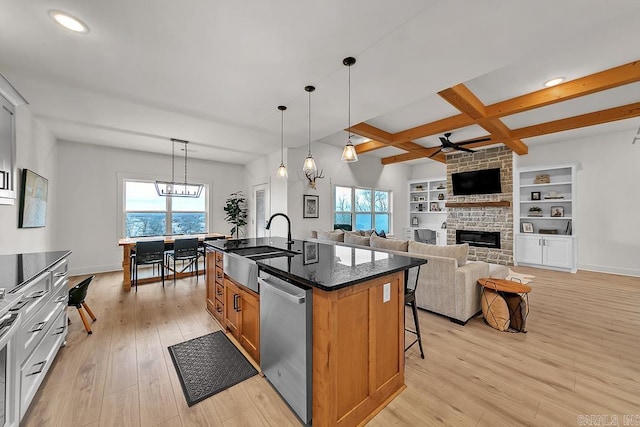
{"x": 389, "y": 244}
{"x": 459, "y": 252}
{"x": 356, "y": 240}
{"x": 333, "y": 236}
{"x": 368, "y": 233}
{"x": 382, "y": 234}
{"x": 354, "y": 233}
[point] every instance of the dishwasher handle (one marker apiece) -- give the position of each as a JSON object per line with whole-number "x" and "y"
{"x": 279, "y": 290}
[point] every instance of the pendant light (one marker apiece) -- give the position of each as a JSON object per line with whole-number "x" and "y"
{"x": 309, "y": 164}
{"x": 178, "y": 189}
{"x": 282, "y": 169}
{"x": 349, "y": 154}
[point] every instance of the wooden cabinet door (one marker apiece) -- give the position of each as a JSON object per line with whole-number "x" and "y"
{"x": 232, "y": 303}
{"x": 250, "y": 324}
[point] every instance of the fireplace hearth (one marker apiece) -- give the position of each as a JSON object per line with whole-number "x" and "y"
{"x": 481, "y": 239}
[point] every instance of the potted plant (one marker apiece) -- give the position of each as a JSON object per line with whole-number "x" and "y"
{"x": 535, "y": 211}
{"x": 236, "y": 209}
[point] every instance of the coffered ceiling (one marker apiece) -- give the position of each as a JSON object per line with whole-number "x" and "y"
{"x": 214, "y": 72}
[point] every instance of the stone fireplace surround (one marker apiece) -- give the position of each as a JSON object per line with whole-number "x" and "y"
{"x": 479, "y": 218}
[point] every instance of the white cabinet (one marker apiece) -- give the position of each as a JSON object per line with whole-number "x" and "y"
{"x": 553, "y": 252}
{"x": 545, "y": 217}
{"x": 427, "y": 209}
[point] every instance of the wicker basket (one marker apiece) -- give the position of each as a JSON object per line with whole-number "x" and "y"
{"x": 542, "y": 179}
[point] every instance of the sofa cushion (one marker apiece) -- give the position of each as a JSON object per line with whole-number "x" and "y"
{"x": 355, "y": 233}
{"x": 389, "y": 244}
{"x": 459, "y": 252}
{"x": 356, "y": 240}
{"x": 336, "y": 236}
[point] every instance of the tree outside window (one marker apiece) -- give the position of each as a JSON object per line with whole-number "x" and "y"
{"x": 147, "y": 214}
{"x": 362, "y": 208}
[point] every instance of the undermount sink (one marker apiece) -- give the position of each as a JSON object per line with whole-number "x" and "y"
{"x": 261, "y": 252}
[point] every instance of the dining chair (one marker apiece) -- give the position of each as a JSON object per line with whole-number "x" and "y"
{"x": 149, "y": 253}
{"x": 185, "y": 250}
{"x": 77, "y": 294}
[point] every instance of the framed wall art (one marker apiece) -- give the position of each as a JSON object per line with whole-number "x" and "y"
{"x": 310, "y": 206}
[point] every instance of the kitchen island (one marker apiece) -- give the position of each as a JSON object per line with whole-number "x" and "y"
{"x": 357, "y": 322}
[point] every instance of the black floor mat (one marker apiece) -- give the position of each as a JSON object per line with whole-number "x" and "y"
{"x": 208, "y": 365}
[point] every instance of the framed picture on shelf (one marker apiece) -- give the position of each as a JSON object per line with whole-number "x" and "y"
{"x": 414, "y": 221}
{"x": 310, "y": 253}
{"x": 535, "y": 195}
{"x": 434, "y": 207}
{"x": 557, "y": 211}
{"x": 527, "y": 227}
{"x": 310, "y": 206}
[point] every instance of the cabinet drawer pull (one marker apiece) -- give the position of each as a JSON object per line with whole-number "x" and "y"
{"x": 61, "y": 274}
{"x": 19, "y": 305}
{"x": 37, "y": 294}
{"x": 60, "y": 329}
{"x": 219, "y": 309}
{"x": 42, "y": 365}
{"x": 235, "y": 302}
{"x": 218, "y": 292}
{"x": 38, "y": 327}
{"x": 60, "y": 298}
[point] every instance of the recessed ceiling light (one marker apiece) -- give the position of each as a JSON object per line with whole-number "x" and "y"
{"x": 554, "y": 82}
{"x": 69, "y": 22}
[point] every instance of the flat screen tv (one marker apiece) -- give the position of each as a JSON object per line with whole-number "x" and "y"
{"x": 33, "y": 201}
{"x": 485, "y": 181}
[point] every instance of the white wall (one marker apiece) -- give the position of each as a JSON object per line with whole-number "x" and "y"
{"x": 263, "y": 171}
{"x": 36, "y": 149}
{"x": 88, "y": 221}
{"x": 367, "y": 172}
{"x": 429, "y": 170}
{"x": 608, "y": 198}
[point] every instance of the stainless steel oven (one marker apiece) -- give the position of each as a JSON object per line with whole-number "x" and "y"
{"x": 9, "y": 369}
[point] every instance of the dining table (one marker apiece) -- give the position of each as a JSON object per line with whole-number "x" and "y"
{"x": 129, "y": 243}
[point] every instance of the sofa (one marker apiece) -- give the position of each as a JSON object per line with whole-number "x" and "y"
{"x": 447, "y": 284}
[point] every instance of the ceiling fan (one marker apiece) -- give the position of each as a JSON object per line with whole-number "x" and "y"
{"x": 446, "y": 146}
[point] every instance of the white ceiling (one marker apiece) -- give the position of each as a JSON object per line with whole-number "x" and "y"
{"x": 213, "y": 72}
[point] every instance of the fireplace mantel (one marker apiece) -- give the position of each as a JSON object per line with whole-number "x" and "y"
{"x": 499, "y": 204}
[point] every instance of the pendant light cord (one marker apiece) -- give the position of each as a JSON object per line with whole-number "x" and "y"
{"x": 282, "y": 139}
{"x": 309, "y": 123}
{"x": 349, "y": 114}
{"x": 185, "y": 164}
{"x": 173, "y": 161}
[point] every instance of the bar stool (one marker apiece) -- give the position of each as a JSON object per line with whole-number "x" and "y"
{"x": 410, "y": 299}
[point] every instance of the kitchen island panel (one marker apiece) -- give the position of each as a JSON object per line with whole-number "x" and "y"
{"x": 358, "y": 350}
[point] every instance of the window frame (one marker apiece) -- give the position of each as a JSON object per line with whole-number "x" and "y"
{"x": 168, "y": 212}
{"x": 353, "y": 210}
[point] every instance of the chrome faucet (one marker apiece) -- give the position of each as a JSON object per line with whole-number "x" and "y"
{"x": 289, "y": 240}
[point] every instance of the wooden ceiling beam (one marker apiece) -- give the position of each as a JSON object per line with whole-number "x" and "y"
{"x": 589, "y": 119}
{"x": 439, "y": 126}
{"x": 464, "y": 100}
{"x": 365, "y": 147}
{"x": 371, "y": 132}
{"x": 608, "y": 79}
{"x": 468, "y": 103}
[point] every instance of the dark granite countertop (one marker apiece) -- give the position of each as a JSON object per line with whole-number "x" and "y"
{"x": 324, "y": 266}
{"x": 19, "y": 269}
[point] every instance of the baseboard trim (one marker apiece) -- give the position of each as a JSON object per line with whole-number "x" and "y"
{"x": 94, "y": 269}
{"x": 611, "y": 270}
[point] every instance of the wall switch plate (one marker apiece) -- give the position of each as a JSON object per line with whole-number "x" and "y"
{"x": 386, "y": 292}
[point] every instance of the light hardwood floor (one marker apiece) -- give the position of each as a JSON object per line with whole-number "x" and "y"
{"x": 581, "y": 356}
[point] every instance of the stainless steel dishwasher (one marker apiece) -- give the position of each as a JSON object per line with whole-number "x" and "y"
{"x": 285, "y": 341}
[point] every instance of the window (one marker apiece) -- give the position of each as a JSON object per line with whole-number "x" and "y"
{"x": 147, "y": 214}
{"x": 365, "y": 207}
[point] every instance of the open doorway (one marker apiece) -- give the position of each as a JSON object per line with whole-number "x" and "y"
{"x": 261, "y": 208}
